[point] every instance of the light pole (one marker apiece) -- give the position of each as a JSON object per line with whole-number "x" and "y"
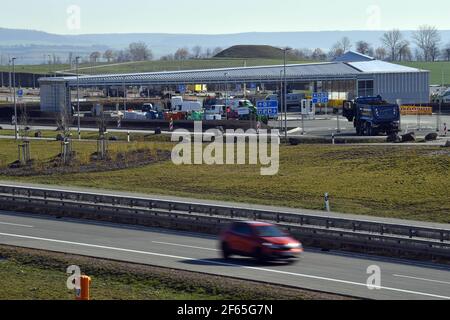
{"x": 13, "y": 60}
{"x": 226, "y": 89}
{"x": 438, "y": 125}
{"x": 286, "y": 49}
{"x": 77, "y": 59}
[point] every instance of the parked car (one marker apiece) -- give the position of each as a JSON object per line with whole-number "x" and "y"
{"x": 263, "y": 241}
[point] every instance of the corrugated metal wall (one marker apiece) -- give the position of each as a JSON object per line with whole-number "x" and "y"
{"x": 54, "y": 96}
{"x": 408, "y": 87}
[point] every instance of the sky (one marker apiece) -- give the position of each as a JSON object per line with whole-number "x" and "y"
{"x": 220, "y": 17}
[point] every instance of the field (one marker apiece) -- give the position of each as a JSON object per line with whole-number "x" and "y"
{"x": 401, "y": 182}
{"x": 437, "y": 69}
{"x": 37, "y": 275}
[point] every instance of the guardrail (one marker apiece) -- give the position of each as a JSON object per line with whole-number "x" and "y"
{"x": 311, "y": 229}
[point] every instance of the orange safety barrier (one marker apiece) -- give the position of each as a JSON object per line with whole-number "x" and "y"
{"x": 415, "y": 110}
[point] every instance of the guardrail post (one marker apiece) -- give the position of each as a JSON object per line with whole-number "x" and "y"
{"x": 232, "y": 213}
{"x": 354, "y": 226}
{"x": 278, "y": 218}
{"x": 170, "y": 207}
{"x": 45, "y": 195}
{"x": 151, "y": 205}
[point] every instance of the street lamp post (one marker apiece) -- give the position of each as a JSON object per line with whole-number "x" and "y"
{"x": 286, "y": 49}
{"x": 78, "y": 97}
{"x": 438, "y": 124}
{"x": 226, "y": 89}
{"x": 14, "y": 96}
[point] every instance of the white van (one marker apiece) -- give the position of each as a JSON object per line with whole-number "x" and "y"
{"x": 179, "y": 105}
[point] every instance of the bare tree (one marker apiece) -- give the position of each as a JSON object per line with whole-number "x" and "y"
{"x": 392, "y": 40}
{"x": 108, "y": 55}
{"x": 123, "y": 56}
{"x": 363, "y": 47}
{"x": 24, "y": 133}
{"x": 318, "y": 55}
{"x": 428, "y": 39}
{"x": 197, "y": 52}
{"x": 94, "y": 56}
{"x": 380, "y": 53}
{"x": 63, "y": 122}
{"x": 404, "y": 51}
{"x": 302, "y": 54}
{"x": 181, "y": 54}
{"x": 168, "y": 57}
{"x": 216, "y": 51}
{"x": 139, "y": 51}
{"x": 208, "y": 53}
{"x": 446, "y": 52}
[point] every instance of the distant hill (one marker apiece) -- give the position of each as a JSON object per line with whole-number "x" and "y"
{"x": 251, "y": 52}
{"x": 162, "y": 44}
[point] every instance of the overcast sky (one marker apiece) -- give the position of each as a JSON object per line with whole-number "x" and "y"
{"x": 220, "y": 17}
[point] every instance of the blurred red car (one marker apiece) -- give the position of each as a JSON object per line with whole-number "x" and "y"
{"x": 263, "y": 241}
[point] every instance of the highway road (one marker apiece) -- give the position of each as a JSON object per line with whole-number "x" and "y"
{"x": 331, "y": 272}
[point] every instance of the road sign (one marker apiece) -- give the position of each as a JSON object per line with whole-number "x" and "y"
{"x": 267, "y": 108}
{"x": 324, "y": 97}
{"x": 238, "y": 87}
{"x": 252, "y": 85}
{"x": 182, "y": 88}
{"x": 20, "y": 93}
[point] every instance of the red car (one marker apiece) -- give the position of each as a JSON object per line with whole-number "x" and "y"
{"x": 263, "y": 241}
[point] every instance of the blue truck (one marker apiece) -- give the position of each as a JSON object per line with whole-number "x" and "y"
{"x": 372, "y": 116}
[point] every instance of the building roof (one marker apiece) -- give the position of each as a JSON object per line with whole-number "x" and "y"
{"x": 299, "y": 72}
{"x": 377, "y": 66}
{"x": 352, "y": 56}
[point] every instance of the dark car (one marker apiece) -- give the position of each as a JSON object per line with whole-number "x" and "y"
{"x": 263, "y": 241}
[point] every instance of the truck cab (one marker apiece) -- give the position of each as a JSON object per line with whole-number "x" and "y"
{"x": 372, "y": 116}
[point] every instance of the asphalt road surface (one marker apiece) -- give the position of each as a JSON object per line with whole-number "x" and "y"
{"x": 331, "y": 272}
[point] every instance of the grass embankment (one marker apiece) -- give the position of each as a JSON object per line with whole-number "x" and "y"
{"x": 401, "y": 182}
{"x": 38, "y": 275}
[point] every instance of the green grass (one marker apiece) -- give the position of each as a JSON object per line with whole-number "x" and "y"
{"x": 37, "y": 275}
{"x": 401, "y": 182}
{"x": 435, "y": 68}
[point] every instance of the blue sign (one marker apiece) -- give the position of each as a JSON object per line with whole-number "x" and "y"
{"x": 252, "y": 85}
{"x": 20, "y": 93}
{"x": 182, "y": 88}
{"x": 267, "y": 108}
{"x": 238, "y": 87}
{"x": 320, "y": 97}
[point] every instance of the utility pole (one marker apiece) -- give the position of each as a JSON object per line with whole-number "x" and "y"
{"x": 14, "y": 96}
{"x": 78, "y": 97}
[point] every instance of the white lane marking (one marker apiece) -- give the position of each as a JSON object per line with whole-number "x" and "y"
{"x": 185, "y": 246}
{"x": 423, "y": 279}
{"x": 223, "y": 264}
{"x": 16, "y": 225}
